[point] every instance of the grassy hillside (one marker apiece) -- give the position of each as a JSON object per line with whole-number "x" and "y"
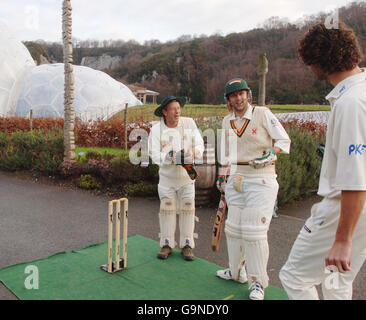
{"x": 146, "y": 112}
{"x": 198, "y": 67}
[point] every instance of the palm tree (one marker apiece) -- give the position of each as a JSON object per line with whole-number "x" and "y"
{"x": 69, "y": 112}
{"x": 262, "y": 71}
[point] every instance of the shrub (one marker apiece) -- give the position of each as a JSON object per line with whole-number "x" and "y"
{"x": 107, "y": 156}
{"x": 107, "y": 134}
{"x": 123, "y": 170}
{"x": 70, "y": 168}
{"x": 37, "y": 149}
{"x": 86, "y": 181}
{"x": 13, "y": 124}
{"x": 139, "y": 189}
{"x": 298, "y": 172}
{"x": 100, "y": 168}
{"x": 91, "y": 154}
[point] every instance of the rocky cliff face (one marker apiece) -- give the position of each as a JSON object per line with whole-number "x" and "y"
{"x": 101, "y": 62}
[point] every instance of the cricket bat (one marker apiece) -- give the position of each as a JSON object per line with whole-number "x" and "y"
{"x": 219, "y": 222}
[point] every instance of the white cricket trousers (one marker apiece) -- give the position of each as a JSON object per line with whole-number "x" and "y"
{"x": 250, "y": 201}
{"x": 305, "y": 267}
{"x": 172, "y": 202}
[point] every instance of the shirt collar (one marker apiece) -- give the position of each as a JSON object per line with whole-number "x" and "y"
{"x": 164, "y": 126}
{"x": 248, "y": 114}
{"x": 345, "y": 85}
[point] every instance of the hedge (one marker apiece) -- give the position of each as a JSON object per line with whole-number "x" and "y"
{"x": 298, "y": 172}
{"x": 38, "y": 150}
{"x": 42, "y": 150}
{"x": 98, "y": 133}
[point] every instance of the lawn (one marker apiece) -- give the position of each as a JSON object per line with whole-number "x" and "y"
{"x": 113, "y": 151}
{"x": 145, "y": 113}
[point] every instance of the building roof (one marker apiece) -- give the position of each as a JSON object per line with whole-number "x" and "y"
{"x": 148, "y": 92}
{"x": 141, "y": 90}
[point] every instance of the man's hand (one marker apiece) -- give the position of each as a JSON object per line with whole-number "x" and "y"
{"x": 184, "y": 159}
{"x": 267, "y": 159}
{"x": 352, "y": 203}
{"x": 180, "y": 157}
{"x": 339, "y": 256}
{"x": 221, "y": 183}
{"x": 187, "y": 157}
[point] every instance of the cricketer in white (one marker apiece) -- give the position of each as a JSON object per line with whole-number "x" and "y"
{"x": 251, "y": 189}
{"x": 175, "y": 135}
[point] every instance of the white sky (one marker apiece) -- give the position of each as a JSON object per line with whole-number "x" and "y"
{"x": 151, "y": 19}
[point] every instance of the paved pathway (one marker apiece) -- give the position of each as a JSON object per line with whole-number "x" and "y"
{"x": 39, "y": 220}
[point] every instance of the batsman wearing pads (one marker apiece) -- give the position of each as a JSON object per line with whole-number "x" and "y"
{"x": 174, "y": 144}
{"x": 331, "y": 247}
{"x": 248, "y": 152}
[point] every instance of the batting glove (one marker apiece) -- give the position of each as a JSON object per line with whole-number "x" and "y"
{"x": 180, "y": 157}
{"x": 221, "y": 183}
{"x": 266, "y": 160}
{"x": 184, "y": 160}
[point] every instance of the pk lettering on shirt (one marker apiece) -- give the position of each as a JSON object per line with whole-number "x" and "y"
{"x": 357, "y": 149}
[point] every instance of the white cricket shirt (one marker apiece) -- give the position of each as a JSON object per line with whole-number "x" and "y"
{"x": 271, "y": 124}
{"x": 344, "y": 163}
{"x": 163, "y": 139}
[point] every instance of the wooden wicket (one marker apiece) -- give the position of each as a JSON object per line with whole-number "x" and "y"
{"x": 118, "y": 264}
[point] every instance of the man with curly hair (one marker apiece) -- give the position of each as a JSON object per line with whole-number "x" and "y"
{"x": 331, "y": 247}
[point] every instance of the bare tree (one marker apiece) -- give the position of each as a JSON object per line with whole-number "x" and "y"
{"x": 69, "y": 112}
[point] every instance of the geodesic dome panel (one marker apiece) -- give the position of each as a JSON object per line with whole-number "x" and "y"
{"x": 97, "y": 95}
{"x": 15, "y": 63}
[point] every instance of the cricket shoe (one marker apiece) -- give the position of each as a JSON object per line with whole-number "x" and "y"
{"x": 226, "y": 274}
{"x": 256, "y": 291}
{"x": 187, "y": 253}
{"x": 164, "y": 252}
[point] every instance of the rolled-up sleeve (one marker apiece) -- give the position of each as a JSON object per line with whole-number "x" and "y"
{"x": 277, "y": 132}
{"x": 157, "y": 152}
{"x": 223, "y": 149}
{"x": 199, "y": 146}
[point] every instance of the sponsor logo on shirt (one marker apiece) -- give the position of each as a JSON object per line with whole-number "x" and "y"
{"x": 274, "y": 122}
{"x": 342, "y": 89}
{"x": 357, "y": 149}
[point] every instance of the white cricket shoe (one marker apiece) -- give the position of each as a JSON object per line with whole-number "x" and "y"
{"x": 256, "y": 291}
{"x": 226, "y": 274}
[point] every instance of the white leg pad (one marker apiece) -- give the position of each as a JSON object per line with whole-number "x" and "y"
{"x": 186, "y": 222}
{"x": 167, "y": 220}
{"x": 236, "y": 255}
{"x": 234, "y": 241}
{"x": 254, "y": 228}
{"x": 257, "y": 254}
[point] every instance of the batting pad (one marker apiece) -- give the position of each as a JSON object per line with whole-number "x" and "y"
{"x": 76, "y": 275}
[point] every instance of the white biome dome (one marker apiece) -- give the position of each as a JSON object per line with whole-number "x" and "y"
{"x": 97, "y": 95}
{"x": 15, "y": 63}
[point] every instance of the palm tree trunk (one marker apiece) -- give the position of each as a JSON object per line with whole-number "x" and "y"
{"x": 262, "y": 71}
{"x": 69, "y": 113}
